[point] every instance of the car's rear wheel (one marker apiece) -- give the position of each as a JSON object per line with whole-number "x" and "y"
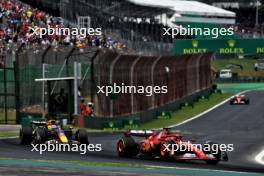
{"x": 40, "y": 136}
{"x": 164, "y": 152}
{"x": 127, "y": 147}
{"x": 25, "y": 135}
{"x": 82, "y": 137}
{"x": 215, "y": 152}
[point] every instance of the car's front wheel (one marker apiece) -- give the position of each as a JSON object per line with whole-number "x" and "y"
{"x": 82, "y": 137}
{"x": 127, "y": 147}
{"x": 25, "y": 135}
{"x": 247, "y": 101}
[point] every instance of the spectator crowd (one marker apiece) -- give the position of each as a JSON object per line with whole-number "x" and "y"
{"x": 17, "y": 21}
{"x": 245, "y": 23}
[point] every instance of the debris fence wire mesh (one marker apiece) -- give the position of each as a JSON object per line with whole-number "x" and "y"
{"x": 183, "y": 76}
{"x": 58, "y": 63}
{"x": 7, "y": 88}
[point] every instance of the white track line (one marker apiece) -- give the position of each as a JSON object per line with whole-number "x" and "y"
{"x": 208, "y": 110}
{"x": 13, "y": 137}
{"x": 260, "y": 158}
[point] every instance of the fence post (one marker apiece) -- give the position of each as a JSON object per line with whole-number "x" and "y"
{"x": 132, "y": 82}
{"x": 17, "y": 83}
{"x": 92, "y": 85}
{"x": 152, "y": 77}
{"x": 75, "y": 88}
{"x": 68, "y": 56}
{"x": 43, "y": 76}
{"x": 5, "y": 95}
{"x": 112, "y": 66}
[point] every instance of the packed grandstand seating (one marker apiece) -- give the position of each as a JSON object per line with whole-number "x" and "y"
{"x": 17, "y": 19}
{"x": 245, "y": 22}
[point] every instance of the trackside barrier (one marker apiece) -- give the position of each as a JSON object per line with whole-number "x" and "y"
{"x": 124, "y": 121}
{"x": 131, "y": 123}
{"x": 186, "y": 104}
{"x": 142, "y": 117}
{"x": 113, "y": 125}
{"x": 243, "y": 79}
{"x": 163, "y": 115}
{"x": 81, "y": 121}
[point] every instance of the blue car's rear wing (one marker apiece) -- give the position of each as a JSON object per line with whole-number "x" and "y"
{"x": 139, "y": 133}
{"x": 38, "y": 122}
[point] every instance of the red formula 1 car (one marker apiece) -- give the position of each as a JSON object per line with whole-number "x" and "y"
{"x": 167, "y": 146}
{"x": 239, "y": 100}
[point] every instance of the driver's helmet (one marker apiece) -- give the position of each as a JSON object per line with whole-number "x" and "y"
{"x": 51, "y": 124}
{"x": 90, "y": 104}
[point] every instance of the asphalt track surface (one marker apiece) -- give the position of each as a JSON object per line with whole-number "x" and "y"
{"x": 241, "y": 125}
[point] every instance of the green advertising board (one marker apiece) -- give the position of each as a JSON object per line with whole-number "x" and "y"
{"x": 219, "y": 46}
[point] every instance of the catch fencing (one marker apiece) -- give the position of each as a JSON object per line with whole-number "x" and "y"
{"x": 183, "y": 76}
{"x": 7, "y": 87}
{"x": 50, "y": 62}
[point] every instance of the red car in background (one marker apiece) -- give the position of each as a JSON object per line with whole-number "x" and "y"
{"x": 239, "y": 100}
{"x": 166, "y": 145}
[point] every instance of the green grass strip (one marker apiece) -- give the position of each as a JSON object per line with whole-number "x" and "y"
{"x": 8, "y": 134}
{"x": 187, "y": 112}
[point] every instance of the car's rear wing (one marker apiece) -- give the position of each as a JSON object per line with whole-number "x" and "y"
{"x": 38, "y": 122}
{"x": 139, "y": 133}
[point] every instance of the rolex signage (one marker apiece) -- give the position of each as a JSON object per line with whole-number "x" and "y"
{"x": 195, "y": 48}
{"x": 231, "y": 48}
{"x": 219, "y": 46}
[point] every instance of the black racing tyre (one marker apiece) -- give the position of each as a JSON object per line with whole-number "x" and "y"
{"x": 247, "y": 101}
{"x": 164, "y": 154}
{"x": 25, "y": 135}
{"x": 40, "y": 135}
{"x": 82, "y": 137}
{"x": 127, "y": 147}
{"x": 231, "y": 102}
{"x": 217, "y": 153}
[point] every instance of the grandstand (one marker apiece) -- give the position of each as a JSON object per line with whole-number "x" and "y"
{"x": 140, "y": 23}
{"x": 246, "y": 10}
